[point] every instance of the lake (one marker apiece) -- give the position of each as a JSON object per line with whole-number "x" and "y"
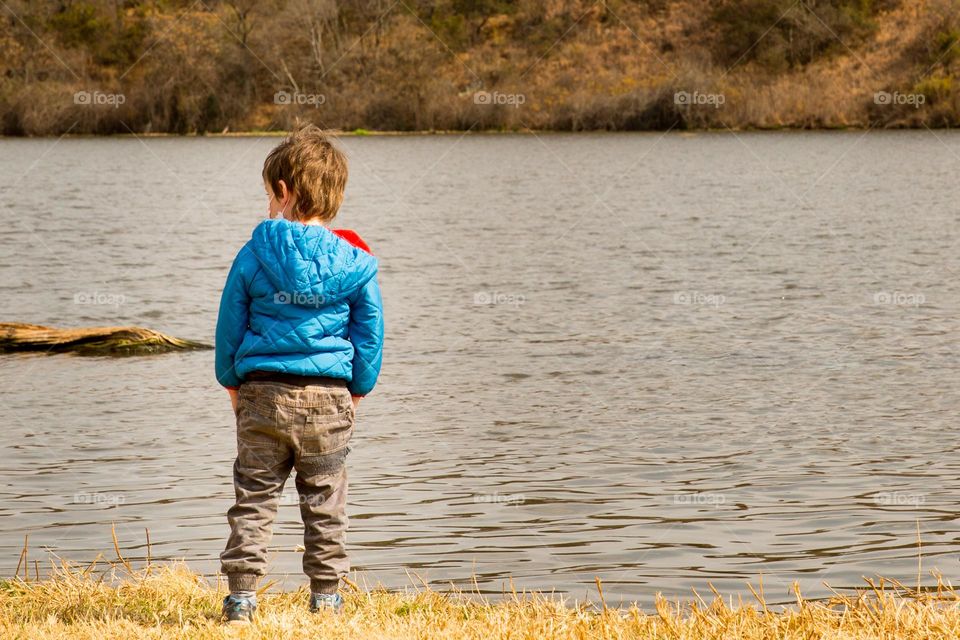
{"x": 663, "y": 360}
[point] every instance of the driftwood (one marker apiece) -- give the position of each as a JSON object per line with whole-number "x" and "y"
{"x": 94, "y": 341}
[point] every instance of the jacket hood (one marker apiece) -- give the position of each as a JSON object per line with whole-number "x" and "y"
{"x": 310, "y": 263}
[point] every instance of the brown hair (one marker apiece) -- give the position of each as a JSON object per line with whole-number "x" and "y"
{"x": 314, "y": 170}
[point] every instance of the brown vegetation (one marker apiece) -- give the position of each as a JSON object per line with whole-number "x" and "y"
{"x": 165, "y": 601}
{"x": 122, "y": 66}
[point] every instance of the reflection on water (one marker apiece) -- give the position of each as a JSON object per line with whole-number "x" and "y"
{"x": 661, "y": 360}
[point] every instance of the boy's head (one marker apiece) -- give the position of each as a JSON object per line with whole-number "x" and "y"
{"x": 305, "y": 176}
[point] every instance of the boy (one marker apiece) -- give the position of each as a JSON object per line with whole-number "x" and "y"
{"x": 299, "y": 342}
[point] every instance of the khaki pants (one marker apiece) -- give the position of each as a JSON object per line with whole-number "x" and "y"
{"x": 281, "y": 427}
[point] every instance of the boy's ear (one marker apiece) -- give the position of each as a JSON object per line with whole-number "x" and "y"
{"x": 282, "y": 196}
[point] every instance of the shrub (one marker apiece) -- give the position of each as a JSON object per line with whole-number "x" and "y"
{"x": 79, "y": 25}
{"x": 783, "y": 34}
{"x": 937, "y": 44}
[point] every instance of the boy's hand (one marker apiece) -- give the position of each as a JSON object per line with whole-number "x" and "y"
{"x": 234, "y": 399}
{"x": 356, "y": 401}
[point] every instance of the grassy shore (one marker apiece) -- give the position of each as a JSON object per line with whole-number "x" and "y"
{"x": 138, "y": 66}
{"x": 170, "y": 601}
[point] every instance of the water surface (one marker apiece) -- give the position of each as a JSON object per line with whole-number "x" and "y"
{"x": 664, "y": 360}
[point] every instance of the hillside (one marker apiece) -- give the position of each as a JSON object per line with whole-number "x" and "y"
{"x": 115, "y": 66}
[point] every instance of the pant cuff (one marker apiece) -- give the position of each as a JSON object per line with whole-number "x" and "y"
{"x": 324, "y": 585}
{"x": 242, "y": 581}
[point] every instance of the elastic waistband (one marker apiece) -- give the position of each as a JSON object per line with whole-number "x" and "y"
{"x": 291, "y": 378}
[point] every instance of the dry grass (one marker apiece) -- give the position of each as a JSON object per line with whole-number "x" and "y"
{"x": 97, "y": 341}
{"x": 171, "y": 601}
{"x": 578, "y": 65}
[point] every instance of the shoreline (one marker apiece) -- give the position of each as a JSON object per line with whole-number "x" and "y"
{"x": 363, "y": 133}
{"x": 164, "y": 600}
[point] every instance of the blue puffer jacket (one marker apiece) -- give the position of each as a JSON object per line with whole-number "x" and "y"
{"x": 299, "y": 299}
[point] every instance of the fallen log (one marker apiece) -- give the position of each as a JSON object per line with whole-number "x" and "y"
{"x": 94, "y": 341}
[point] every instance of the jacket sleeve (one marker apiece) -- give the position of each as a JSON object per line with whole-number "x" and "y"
{"x": 231, "y": 324}
{"x": 366, "y": 333}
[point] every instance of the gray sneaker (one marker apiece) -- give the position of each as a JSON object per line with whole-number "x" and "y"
{"x": 326, "y": 601}
{"x": 238, "y": 610}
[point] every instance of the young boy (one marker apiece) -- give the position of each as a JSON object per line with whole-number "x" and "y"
{"x": 299, "y": 342}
